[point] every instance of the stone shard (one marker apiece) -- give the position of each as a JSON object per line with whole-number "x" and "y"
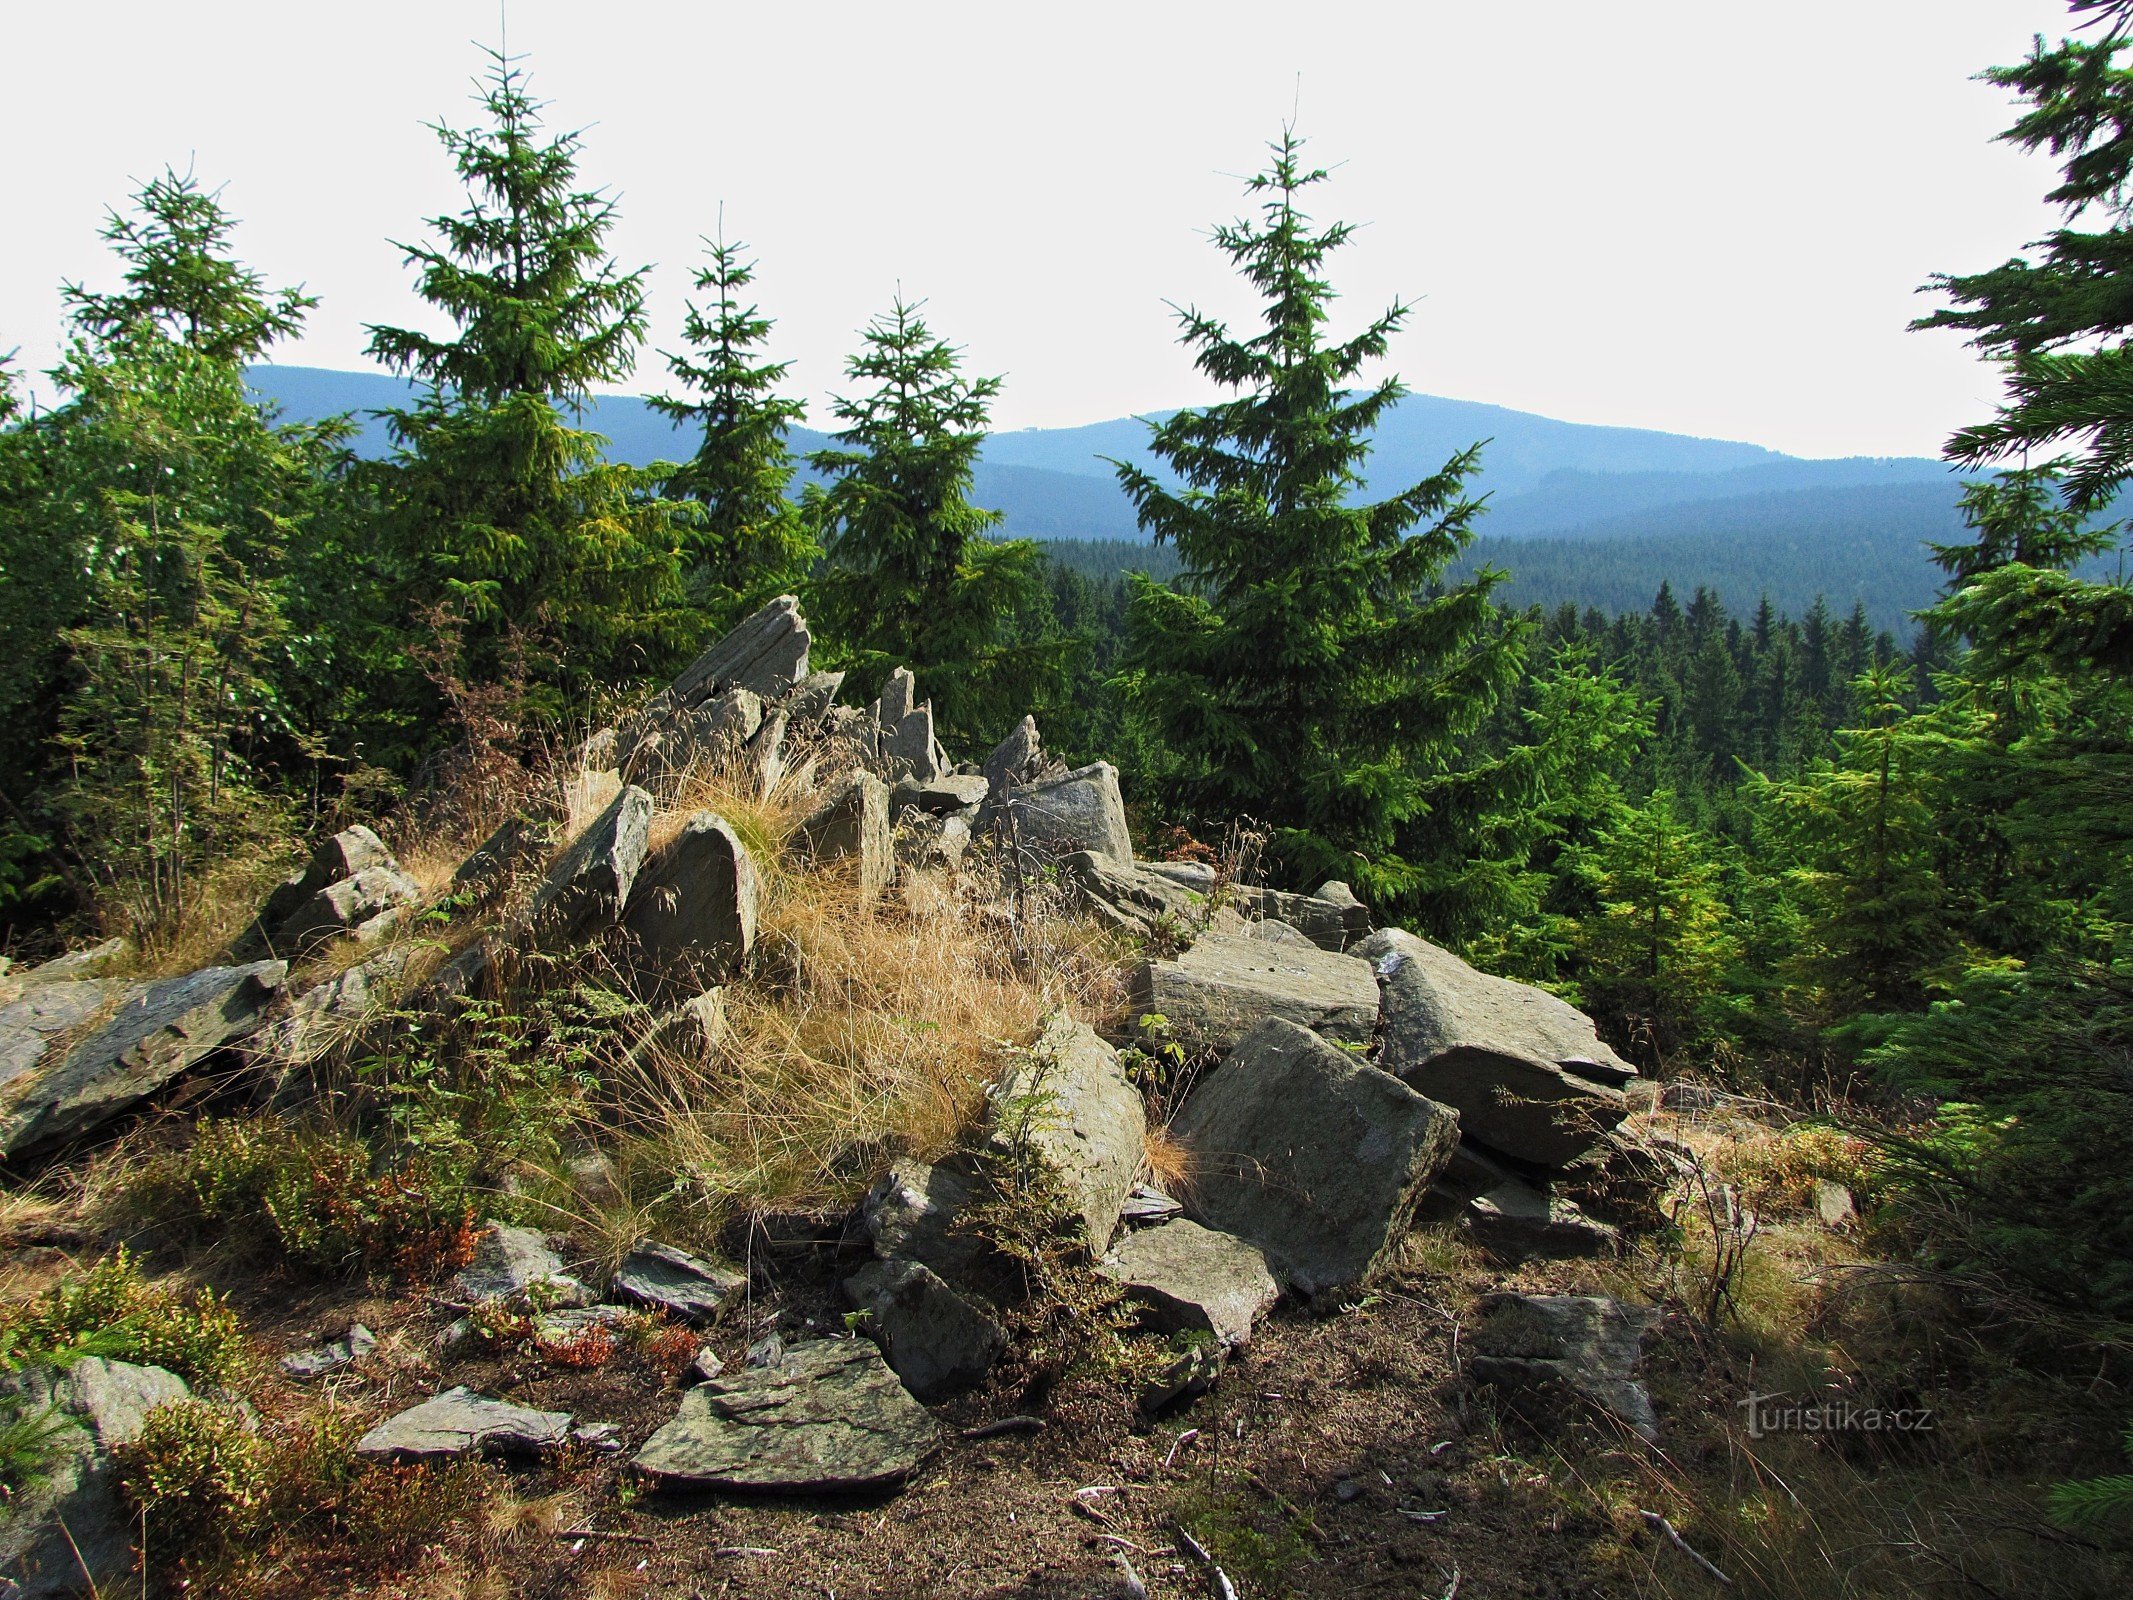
{"x": 762, "y": 759}
{"x": 460, "y": 1421}
{"x": 692, "y": 1032}
{"x": 829, "y": 1415}
{"x": 812, "y": 697}
{"x": 154, "y": 1031}
{"x": 1190, "y": 1279}
{"x": 347, "y": 853}
{"x": 1017, "y": 759}
{"x": 938, "y": 1341}
{"x": 692, "y": 910}
{"x": 670, "y": 741}
{"x": 767, "y": 655}
{"x": 1139, "y": 898}
{"x": 344, "y": 906}
{"x": 1069, "y": 1106}
{"x": 1516, "y": 1220}
{"x": 1224, "y": 986}
{"x": 951, "y": 792}
{"x": 1584, "y": 1344}
{"x": 1527, "y": 1073}
{"x": 1330, "y": 917}
{"x": 851, "y": 823}
{"x": 1067, "y": 813}
{"x": 903, "y": 741}
{"x": 67, "y": 1530}
{"x": 665, "y": 1279}
{"x": 588, "y": 887}
{"x": 911, "y": 1212}
{"x": 518, "y": 843}
{"x": 517, "y": 1265}
{"x": 331, "y": 1356}
{"x": 1314, "y": 1156}
{"x": 1148, "y": 1205}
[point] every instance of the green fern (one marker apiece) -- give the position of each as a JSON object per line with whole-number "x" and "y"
{"x": 2088, "y": 1502}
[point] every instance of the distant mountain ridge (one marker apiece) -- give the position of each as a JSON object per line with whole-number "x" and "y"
{"x": 1737, "y": 517}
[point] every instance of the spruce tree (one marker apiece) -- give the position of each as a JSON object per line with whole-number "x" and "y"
{"x": 509, "y": 530}
{"x": 1310, "y": 667}
{"x": 913, "y": 576}
{"x": 748, "y": 542}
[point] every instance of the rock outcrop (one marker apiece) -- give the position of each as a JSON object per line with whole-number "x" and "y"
{"x": 1069, "y": 1106}
{"x": 766, "y": 655}
{"x": 1066, "y": 813}
{"x": 692, "y": 910}
{"x": 590, "y": 883}
{"x": 1225, "y": 985}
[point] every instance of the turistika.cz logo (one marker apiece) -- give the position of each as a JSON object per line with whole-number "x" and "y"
{"x": 1779, "y": 1413}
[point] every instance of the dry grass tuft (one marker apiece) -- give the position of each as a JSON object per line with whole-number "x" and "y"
{"x": 1170, "y": 1165}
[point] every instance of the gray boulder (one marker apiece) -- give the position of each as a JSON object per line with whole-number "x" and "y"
{"x": 952, "y": 792}
{"x": 331, "y": 1356}
{"x": 1224, "y": 986}
{"x": 691, "y": 1032}
{"x": 458, "y": 1422}
{"x": 346, "y": 906}
{"x": 588, "y": 887}
{"x": 1317, "y": 1158}
{"x": 1017, "y": 759}
{"x": 347, "y": 853}
{"x": 1070, "y": 812}
{"x": 829, "y": 1415}
{"x": 692, "y": 910}
{"x": 68, "y": 1531}
{"x": 516, "y": 1265}
{"x": 518, "y": 844}
{"x": 1330, "y": 916}
{"x": 1190, "y": 1279}
{"x": 813, "y": 695}
{"x": 1527, "y": 1072}
{"x": 1516, "y": 1220}
{"x": 903, "y": 731}
{"x": 154, "y": 1032}
{"x": 1139, "y": 898}
{"x": 665, "y": 1279}
{"x": 1543, "y": 1345}
{"x": 911, "y": 1212}
{"x": 1069, "y": 1106}
{"x": 851, "y": 823}
{"x": 767, "y": 655}
{"x": 671, "y": 741}
{"x": 938, "y": 1341}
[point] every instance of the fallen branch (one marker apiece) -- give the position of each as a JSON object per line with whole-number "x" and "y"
{"x": 993, "y": 1430}
{"x": 1660, "y": 1525}
{"x": 743, "y": 1550}
{"x": 1129, "y": 1580}
{"x": 1179, "y": 1443}
{"x": 1451, "y": 1590}
{"x": 1218, "y": 1580}
{"x": 604, "y": 1533}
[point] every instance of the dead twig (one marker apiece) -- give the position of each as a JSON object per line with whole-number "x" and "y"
{"x": 1217, "y": 1579}
{"x": 1291, "y": 1507}
{"x": 1179, "y": 1443}
{"x": 1672, "y": 1535}
{"x": 608, "y": 1534}
{"x": 993, "y": 1430}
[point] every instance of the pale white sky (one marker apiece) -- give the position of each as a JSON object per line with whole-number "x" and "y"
{"x": 1705, "y": 217}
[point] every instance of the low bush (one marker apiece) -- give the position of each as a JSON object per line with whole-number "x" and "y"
{"x": 200, "y": 1476}
{"x": 111, "y": 1311}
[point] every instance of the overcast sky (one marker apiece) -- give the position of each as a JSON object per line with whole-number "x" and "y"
{"x": 1704, "y": 217}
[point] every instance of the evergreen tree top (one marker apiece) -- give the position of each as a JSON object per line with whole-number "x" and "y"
{"x": 182, "y": 279}
{"x": 541, "y": 308}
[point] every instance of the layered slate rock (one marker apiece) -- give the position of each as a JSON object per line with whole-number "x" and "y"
{"x": 1552, "y": 1345}
{"x": 1516, "y": 1220}
{"x": 693, "y": 1031}
{"x": 766, "y": 655}
{"x": 1072, "y": 812}
{"x": 851, "y": 823}
{"x": 71, "y": 1518}
{"x": 829, "y": 1415}
{"x": 355, "y": 905}
{"x": 1330, "y": 916}
{"x": 1190, "y": 1279}
{"x": 153, "y": 1032}
{"x": 670, "y": 741}
{"x": 43, "y": 1014}
{"x": 1017, "y": 759}
{"x": 518, "y": 1265}
{"x": 347, "y": 853}
{"x": 1527, "y": 1072}
{"x": 1224, "y": 986}
{"x": 1068, "y": 1104}
{"x": 693, "y": 1288}
{"x": 458, "y": 1422}
{"x": 911, "y": 1211}
{"x": 692, "y": 910}
{"x": 1317, "y": 1158}
{"x": 518, "y": 843}
{"x": 813, "y": 695}
{"x": 939, "y": 1342}
{"x": 588, "y": 887}
{"x": 1139, "y": 898}
{"x": 903, "y": 741}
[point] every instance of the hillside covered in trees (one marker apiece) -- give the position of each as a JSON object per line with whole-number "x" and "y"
{"x": 1844, "y": 888}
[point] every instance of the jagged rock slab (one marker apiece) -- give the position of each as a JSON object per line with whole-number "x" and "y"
{"x": 1190, "y": 1279}
{"x": 827, "y": 1416}
{"x": 1148, "y": 1205}
{"x": 516, "y": 1264}
{"x": 1224, "y": 986}
{"x": 1314, "y": 1156}
{"x": 327, "y": 1010}
{"x": 951, "y": 792}
{"x": 682, "y": 1285}
{"x": 587, "y": 888}
{"x": 1069, "y": 1105}
{"x": 346, "y": 905}
{"x": 903, "y": 731}
{"x": 347, "y": 853}
{"x": 1072, "y": 812}
{"x": 1586, "y": 1344}
{"x": 155, "y": 1032}
{"x": 670, "y": 741}
{"x": 911, "y": 1211}
{"x": 1330, "y": 916}
{"x": 851, "y": 823}
{"x": 1138, "y": 898}
{"x": 1017, "y": 759}
{"x": 518, "y": 842}
{"x": 938, "y": 1341}
{"x": 767, "y": 655}
{"x": 691, "y": 1032}
{"x": 46, "y": 1013}
{"x": 459, "y": 1421}
{"x": 331, "y": 1356}
{"x": 762, "y": 760}
{"x": 813, "y": 695}
{"x": 75, "y": 965}
{"x": 1516, "y": 1220}
{"x": 72, "y": 1516}
{"x": 692, "y": 911}
{"x": 1527, "y": 1072}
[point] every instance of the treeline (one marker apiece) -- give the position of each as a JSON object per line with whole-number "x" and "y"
{"x": 1788, "y": 850}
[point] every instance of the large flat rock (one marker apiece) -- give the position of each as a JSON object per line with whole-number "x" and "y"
{"x": 1190, "y": 1279}
{"x": 458, "y": 1422}
{"x": 1585, "y": 1345}
{"x": 134, "y": 1043}
{"x": 766, "y": 655}
{"x": 829, "y": 1415}
{"x": 1069, "y": 1105}
{"x": 693, "y": 1288}
{"x": 1317, "y": 1158}
{"x": 1227, "y": 984}
{"x": 1528, "y": 1074}
{"x": 1139, "y": 898}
